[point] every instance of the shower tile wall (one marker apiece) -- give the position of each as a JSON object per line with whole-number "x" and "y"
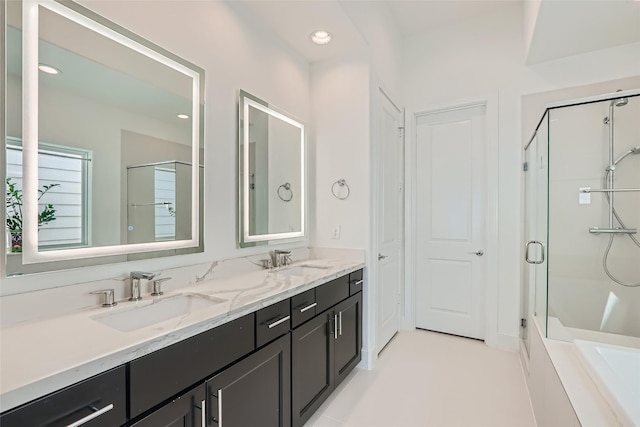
{"x": 580, "y": 294}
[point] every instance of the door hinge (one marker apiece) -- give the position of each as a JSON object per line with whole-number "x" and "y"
{"x": 523, "y": 323}
{"x": 525, "y": 166}
{"x": 401, "y": 131}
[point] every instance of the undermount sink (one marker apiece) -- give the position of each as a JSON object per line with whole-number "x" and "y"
{"x": 300, "y": 270}
{"x": 157, "y": 311}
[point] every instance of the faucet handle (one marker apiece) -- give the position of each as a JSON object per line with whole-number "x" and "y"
{"x": 108, "y": 294}
{"x": 157, "y": 283}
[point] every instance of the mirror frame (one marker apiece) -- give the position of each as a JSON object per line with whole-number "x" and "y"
{"x": 247, "y": 100}
{"x": 85, "y": 17}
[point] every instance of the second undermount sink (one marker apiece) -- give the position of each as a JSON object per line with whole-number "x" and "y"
{"x": 301, "y": 270}
{"x": 159, "y": 310}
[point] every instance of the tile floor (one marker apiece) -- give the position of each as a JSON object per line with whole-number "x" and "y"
{"x": 428, "y": 379}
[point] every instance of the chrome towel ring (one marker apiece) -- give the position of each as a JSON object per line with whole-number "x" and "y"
{"x": 286, "y": 187}
{"x": 341, "y": 183}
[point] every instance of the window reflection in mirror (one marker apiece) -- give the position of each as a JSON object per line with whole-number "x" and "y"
{"x": 110, "y": 105}
{"x": 272, "y": 173}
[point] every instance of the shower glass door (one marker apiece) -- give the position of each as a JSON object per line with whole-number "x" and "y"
{"x": 536, "y": 179}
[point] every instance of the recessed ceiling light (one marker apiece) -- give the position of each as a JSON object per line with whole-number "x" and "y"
{"x": 183, "y": 116}
{"x": 321, "y": 37}
{"x": 48, "y": 69}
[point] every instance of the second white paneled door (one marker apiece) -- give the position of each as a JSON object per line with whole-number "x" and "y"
{"x": 450, "y": 212}
{"x": 390, "y": 219}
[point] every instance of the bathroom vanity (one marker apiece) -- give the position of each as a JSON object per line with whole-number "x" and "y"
{"x": 268, "y": 355}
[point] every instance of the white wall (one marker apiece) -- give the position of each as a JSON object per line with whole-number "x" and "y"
{"x": 340, "y": 149}
{"x": 484, "y": 58}
{"x": 236, "y": 51}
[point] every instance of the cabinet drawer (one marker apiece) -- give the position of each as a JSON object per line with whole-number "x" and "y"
{"x": 331, "y": 293}
{"x": 355, "y": 282}
{"x": 79, "y": 401}
{"x": 272, "y": 322}
{"x": 303, "y": 307}
{"x": 160, "y": 375}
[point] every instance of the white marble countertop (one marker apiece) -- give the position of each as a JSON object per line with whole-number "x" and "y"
{"x": 43, "y": 355}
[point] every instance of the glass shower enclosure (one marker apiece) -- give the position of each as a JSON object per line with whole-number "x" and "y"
{"x": 581, "y": 277}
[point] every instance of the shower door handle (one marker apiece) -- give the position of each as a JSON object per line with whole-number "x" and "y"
{"x": 526, "y": 253}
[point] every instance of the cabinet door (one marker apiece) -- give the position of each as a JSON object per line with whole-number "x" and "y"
{"x": 348, "y": 346}
{"x": 184, "y": 411}
{"x": 311, "y": 366}
{"x": 255, "y": 391}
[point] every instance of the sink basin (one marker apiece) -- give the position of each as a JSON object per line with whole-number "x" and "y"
{"x": 300, "y": 270}
{"x": 157, "y": 311}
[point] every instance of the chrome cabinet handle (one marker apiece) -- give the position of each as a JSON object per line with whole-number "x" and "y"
{"x": 204, "y": 413}
{"x": 335, "y": 326}
{"x": 479, "y": 252}
{"x": 92, "y": 416}
{"x": 359, "y": 282}
{"x": 219, "y": 407}
{"x": 277, "y": 322}
{"x": 526, "y": 253}
{"x": 340, "y": 323}
{"x": 309, "y": 307}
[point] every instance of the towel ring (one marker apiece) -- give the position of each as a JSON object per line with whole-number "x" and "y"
{"x": 340, "y": 183}
{"x": 287, "y": 187}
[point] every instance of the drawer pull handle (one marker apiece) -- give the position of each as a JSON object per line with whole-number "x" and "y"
{"x": 359, "y": 282}
{"x": 219, "y": 407}
{"x": 204, "y": 412}
{"x": 309, "y": 307}
{"x": 277, "y": 322}
{"x": 92, "y": 416}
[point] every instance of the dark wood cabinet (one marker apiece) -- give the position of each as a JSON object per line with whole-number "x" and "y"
{"x": 255, "y": 391}
{"x": 100, "y": 401}
{"x": 270, "y": 368}
{"x": 187, "y": 410}
{"x": 323, "y": 352}
{"x": 348, "y": 346}
{"x": 312, "y": 371}
{"x": 162, "y": 374}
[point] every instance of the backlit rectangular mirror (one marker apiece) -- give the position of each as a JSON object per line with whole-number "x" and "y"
{"x": 104, "y": 138}
{"x": 272, "y": 173}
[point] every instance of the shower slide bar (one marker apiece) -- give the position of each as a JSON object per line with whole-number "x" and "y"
{"x": 610, "y": 190}
{"x": 596, "y": 230}
{"x": 152, "y": 204}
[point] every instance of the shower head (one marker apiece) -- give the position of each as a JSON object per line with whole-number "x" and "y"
{"x": 634, "y": 150}
{"x": 620, "y": 102}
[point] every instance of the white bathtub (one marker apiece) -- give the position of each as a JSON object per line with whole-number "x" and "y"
{"x": 616, "y": 372}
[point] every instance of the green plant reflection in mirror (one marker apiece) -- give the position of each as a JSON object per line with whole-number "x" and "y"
{"x": 105, "y": 108}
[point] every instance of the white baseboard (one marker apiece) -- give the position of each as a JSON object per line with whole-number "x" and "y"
{"x": 369, "y": 357}
{"x": 507, "y": 342}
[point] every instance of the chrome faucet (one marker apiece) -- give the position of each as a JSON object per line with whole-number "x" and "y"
{"x": 280, "y": 258}
{"x": 135, "y": 278}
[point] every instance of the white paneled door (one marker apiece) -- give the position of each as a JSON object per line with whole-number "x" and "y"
{"x": 390, "y": 219}
{"x": 450, "y": 221}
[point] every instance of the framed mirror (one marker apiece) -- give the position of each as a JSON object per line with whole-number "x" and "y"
{"x": 104, "y": 140}
{"x": 272, "y": 173}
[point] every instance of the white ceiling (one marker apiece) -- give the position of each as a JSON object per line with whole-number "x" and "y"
{"x": 563, "y": 27}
